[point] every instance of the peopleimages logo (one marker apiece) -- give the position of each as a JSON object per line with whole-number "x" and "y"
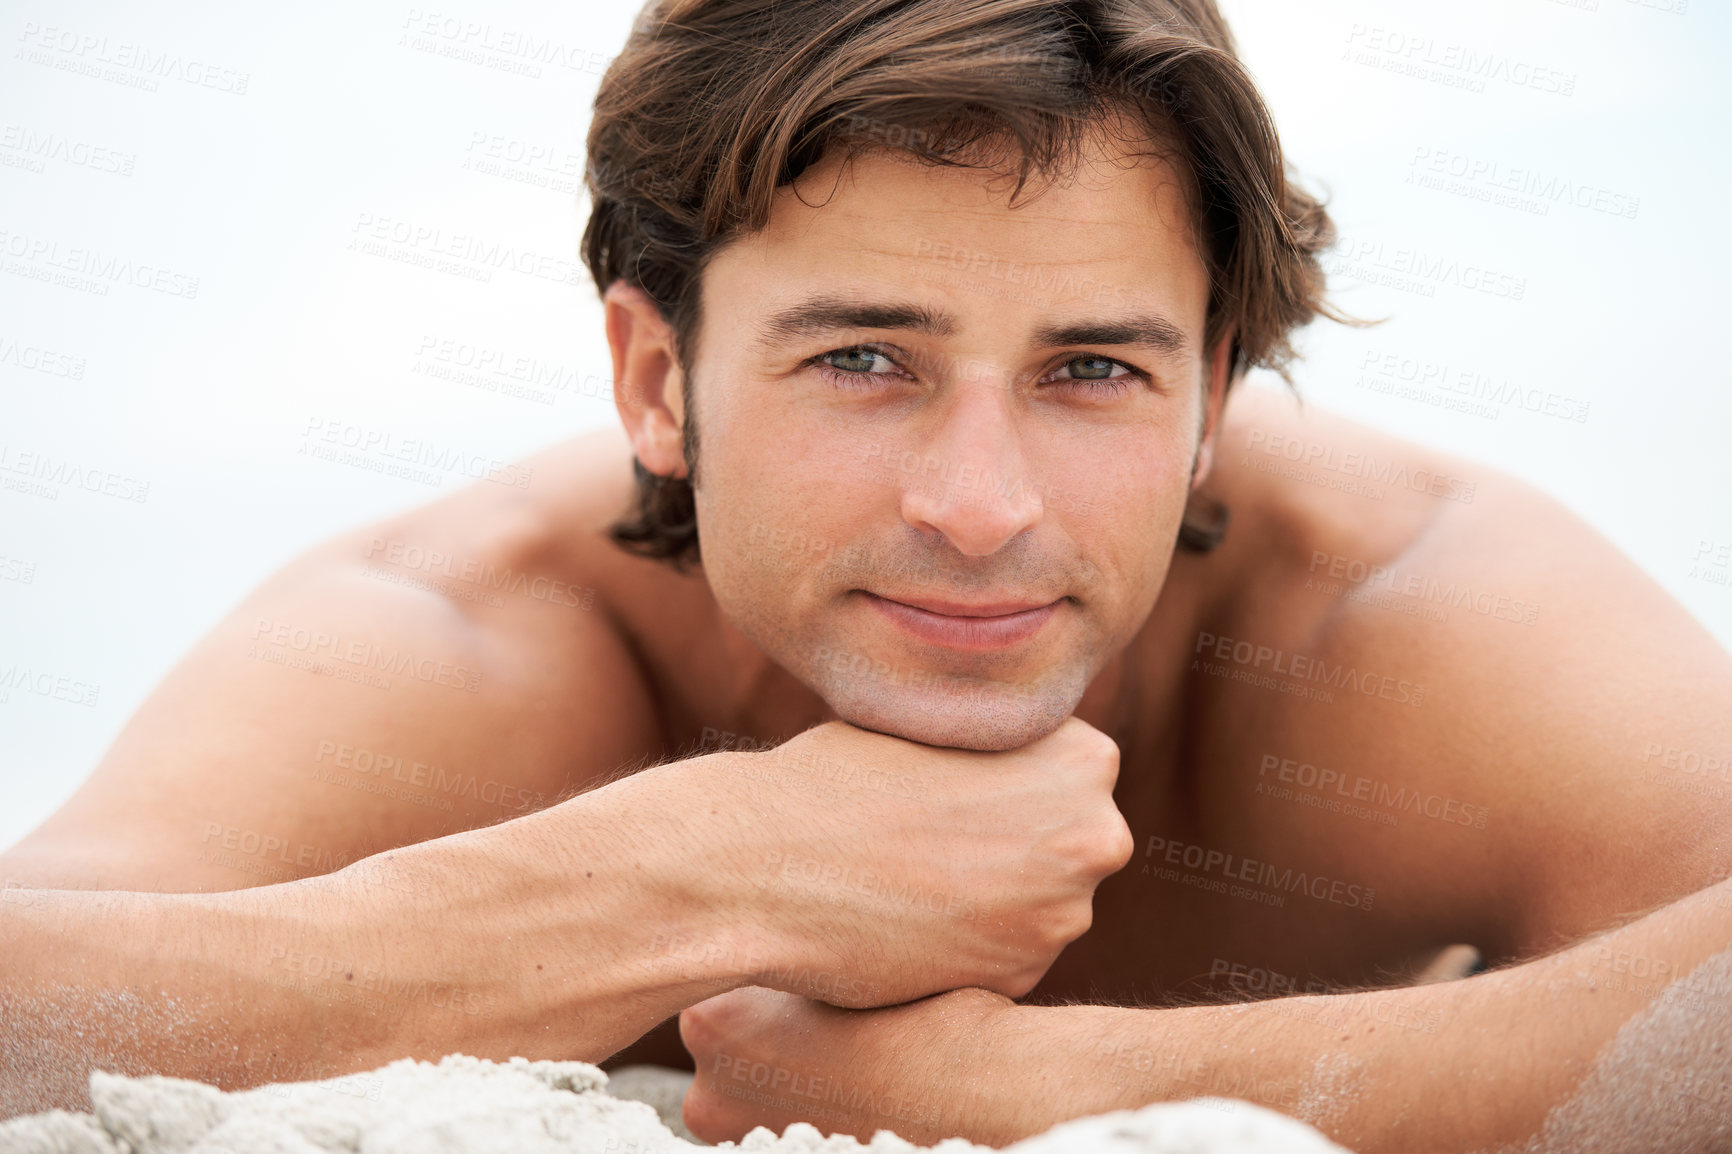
{"x": 465, "y": 254}
{"x": 970, "y": 479}
{"x": 135, "y": 65}
{"x": 1279, "y": 663}
{"x": 1288, "y": 771}
{"x": 483, "y": 576}
{"x": 1043, "y": 280}
{"x": 44, "y": 684}
{"x": 507, "y": 372}
{"x": 1530, "y": 188}
{"x": 1354, "y": 578}
{"x": 37, "y": 148}
{"x": 509, "y": 49}
{"x": 40, "y": 473}
{"x": 1413, "y": 270}
{"x": 285, "y": 637}
{"x": 347, "y": 443}
{"x": 1364, "y": 467}
{"x": 43, "y": 259}
{"x": 1232, "y": 868}
{"x": 15, "y": 569}
{"x": 37, "y": 359}
{"x": 1451, "y": 64}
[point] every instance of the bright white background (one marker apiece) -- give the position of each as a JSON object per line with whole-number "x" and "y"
{"x": 357, "y": 112}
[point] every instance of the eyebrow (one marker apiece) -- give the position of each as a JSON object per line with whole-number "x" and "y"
{"x": 826, "y": 314}
{"x": 1152, "y": 330}
{"x": 829, "y": 314}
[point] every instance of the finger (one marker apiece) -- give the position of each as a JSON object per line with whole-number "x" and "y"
{"x": 726, "y": 1018}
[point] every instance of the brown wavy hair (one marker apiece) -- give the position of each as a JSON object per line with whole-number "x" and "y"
{"x": 715, "y": 104}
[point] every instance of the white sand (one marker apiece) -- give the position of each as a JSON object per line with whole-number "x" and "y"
{"x": 467, "y": 1105}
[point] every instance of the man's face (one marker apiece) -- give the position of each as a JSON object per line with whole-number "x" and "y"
{"x": 947, "y": 443}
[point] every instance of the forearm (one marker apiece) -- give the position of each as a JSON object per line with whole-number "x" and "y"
{"x": 181, "y": 984}
{"x": 564, "y": 934}
{"x": 1457, "y": 1066}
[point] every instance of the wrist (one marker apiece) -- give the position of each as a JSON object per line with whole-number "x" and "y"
{"x": 721, "y": 917}
{"x": 1096, "y": 1059}
{"x": 334, "y": 989}
{"x": 586, "y": 924}
{"x": 1010, "y": 1050}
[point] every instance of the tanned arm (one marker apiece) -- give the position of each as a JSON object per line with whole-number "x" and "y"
{"x": 841, "y": 864}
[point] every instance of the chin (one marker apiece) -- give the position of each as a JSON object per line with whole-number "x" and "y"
{"x": 972, "y": 715}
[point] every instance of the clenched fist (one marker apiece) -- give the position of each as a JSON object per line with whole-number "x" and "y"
{"x": 870, "y": 870}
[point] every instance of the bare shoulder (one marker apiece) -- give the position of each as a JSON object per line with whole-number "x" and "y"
{"x": 541, "y": 538}
{"x": 569, "y": 618}
{"x": 1435, "y": 678}
{"x": 1298, "y": 477}
{"x": 453, "y": 666}
{"x": 535, "y": 567}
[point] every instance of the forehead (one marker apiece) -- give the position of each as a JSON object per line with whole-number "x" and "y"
{"x": 1113, "y": 234}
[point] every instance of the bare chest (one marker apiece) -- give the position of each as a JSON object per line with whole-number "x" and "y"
{"x": 1235, "y": 908}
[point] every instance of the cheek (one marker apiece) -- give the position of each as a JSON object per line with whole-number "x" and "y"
{"x": 782, "y": 470}
{"x": 1121, "y": 501}
{"x": 1122, "y": 497}
{"x": 780, "y": 504}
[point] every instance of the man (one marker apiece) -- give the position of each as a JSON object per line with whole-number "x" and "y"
{"x": 963, "y": 620}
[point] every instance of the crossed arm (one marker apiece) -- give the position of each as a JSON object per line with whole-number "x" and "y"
{"x": 1596, "y": 893}
{"x": 1599, "y": 740}
{"x": 1613, "y": 1044}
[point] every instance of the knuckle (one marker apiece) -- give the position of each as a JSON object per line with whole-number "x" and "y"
{"x": 1091, "y": 743}
{"x": 699, "y": 1028}
{"x": 1121, "y": 846}
{"x": 1095, "y": 847}
{"x": 1075, "y": 851}
{"x": 1079, "y": 922}
{"x": 706, "y": 1112}
{"x": 1107, "y": 758}
{"x": 1108, "y": 844}
{"x": 1013, "y": 982}
{"x": 1063, "y": 924}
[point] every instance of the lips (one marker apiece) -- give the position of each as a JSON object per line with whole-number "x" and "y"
{"x": 972, "y": 625}
{"x": 968, "y": 609}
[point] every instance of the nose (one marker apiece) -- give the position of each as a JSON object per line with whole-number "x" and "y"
{"x": 972, "y": 484}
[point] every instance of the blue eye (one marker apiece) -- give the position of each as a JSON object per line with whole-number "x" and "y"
{"x": 858, "y": 362}
{"x": 1096, "y": 374}
{"x": 859, "y": 367}
{"x": 1092, "y": 369}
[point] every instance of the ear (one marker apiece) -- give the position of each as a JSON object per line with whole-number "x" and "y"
{"x": 1220, "y": 367}
{"x": 648, "y": 387}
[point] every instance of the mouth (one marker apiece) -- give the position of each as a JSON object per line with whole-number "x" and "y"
{"x": 972, "y": 626}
